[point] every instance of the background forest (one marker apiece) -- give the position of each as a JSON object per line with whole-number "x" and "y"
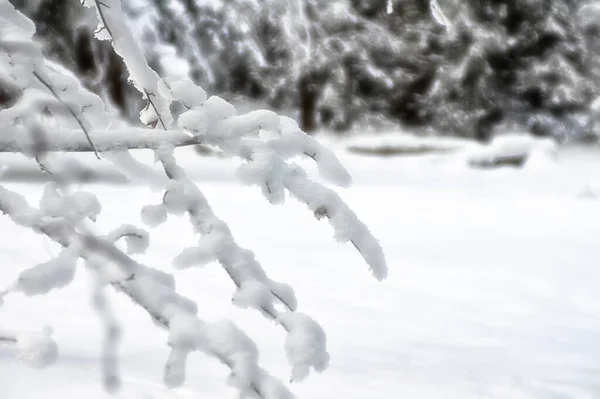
{"x": 465, "y": 68}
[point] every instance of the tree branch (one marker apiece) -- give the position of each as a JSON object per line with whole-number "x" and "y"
{"x": 68, "y": 108}
{"x": 14, "y": 205}
{"x": 70, "y": 140}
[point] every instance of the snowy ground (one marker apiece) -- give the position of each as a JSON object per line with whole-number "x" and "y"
{"x": 493, "y": 288}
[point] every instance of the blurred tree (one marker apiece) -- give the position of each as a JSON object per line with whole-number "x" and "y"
{"x": 521, "y": 62}
{"x": 65, "y": 30}
{"x": 455, "y": 67}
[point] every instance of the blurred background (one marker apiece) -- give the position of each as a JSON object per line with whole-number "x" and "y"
{"x": 472, "y": 68}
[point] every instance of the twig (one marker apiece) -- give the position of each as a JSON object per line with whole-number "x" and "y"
{"x": 75, "y": 116}
{"x": 66, "y": 140}
{"x": 98, "y": 3}
{"x": 150, "y": 102}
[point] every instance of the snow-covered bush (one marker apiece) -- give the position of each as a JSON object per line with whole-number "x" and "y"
{"x": 49, "y": 110}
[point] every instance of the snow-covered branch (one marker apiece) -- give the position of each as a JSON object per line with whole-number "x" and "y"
{"x": 264, "y": 140}
{"x": 254, "y": 288}
{"x": 61, "y": 139}
{"x": 44, "y": 86}
{"x": 54, "y": 113}
{"x": 155, "y": 292}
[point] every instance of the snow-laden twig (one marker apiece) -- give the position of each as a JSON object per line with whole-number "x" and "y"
{"x": 268, "y": 166}
{"x": 112, "y": 335}
{"x": 216, "y": 121}
{"x": 253, "y": 286}
{"x": 24, "y": 68}
{"x": 80, "y": 122}
{"x": 266, "y": 142}
{"x": 155, "y": 292}
{"x": 61, "y": 139}
{"x": 113, "y": 27}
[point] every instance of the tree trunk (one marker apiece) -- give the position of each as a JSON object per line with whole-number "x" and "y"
{"x": 307, "y": 88}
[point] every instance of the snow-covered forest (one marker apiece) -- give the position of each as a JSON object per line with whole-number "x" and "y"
{"x": 299, "y": 198}
{"x": 448, "y": 67}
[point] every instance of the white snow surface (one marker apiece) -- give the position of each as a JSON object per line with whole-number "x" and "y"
{"x": 492, "y": 289}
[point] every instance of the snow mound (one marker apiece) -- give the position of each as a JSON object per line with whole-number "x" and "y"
{"x": 515, "y": 149}
{"x": 591, "y": 190}
{"x": 395, "y": 144}
{"x": 509, "y": 149}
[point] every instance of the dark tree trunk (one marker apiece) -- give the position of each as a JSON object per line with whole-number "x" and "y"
{"x": 115, "y": 81}
{"x": 309, "y": 94}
